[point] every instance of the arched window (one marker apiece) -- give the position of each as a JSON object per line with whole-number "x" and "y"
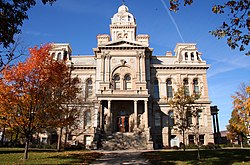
{"x": 197, "y": 55}
{"x": 53, "y": 55}
{"x": 89, "y": 87}
{"x": 156, "y": 89}
{"x": 186, "y": 56}
{"x": 59, "y": 56}
{"x": 169, "y": 89}
{"x": 127, "y": 82}
{"x": 117, "y": 84}
{"x": 129, "y": 17}
{"x": 87, "y": 118}
{"x": 186, "y": 87}
{"x": 192, "y": 56}
{"x": 196, "y": 86}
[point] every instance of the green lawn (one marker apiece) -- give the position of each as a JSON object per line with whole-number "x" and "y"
{"x": 38, "y": 156}
{"x": 217, "y": 157}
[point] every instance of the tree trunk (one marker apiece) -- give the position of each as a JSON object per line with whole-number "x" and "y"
{"x": 3, "y": 134}
{"x": 59, "y": 141}
{"x": 66, "y": 136}
{"x": 26, "y": 149}
{"x": 183, "y": 138}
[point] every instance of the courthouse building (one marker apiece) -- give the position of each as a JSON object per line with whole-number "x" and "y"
{"x": 126, "y": 89}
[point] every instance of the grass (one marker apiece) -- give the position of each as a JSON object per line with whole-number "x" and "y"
{"x": 217, "y": 157}
{"x": 38, "y": 156}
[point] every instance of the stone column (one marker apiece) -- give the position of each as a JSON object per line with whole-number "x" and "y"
{"x": 101, "y": 114}
{"x": 146, "y": 113}
{"x": 217, "y": 123}
{"x": 103, "y": 68}
{"x": 143, "y": 68}
{"x": 135, "y": 115}
{"x": 138, "y": 68}
{"x": 109, "y": 118}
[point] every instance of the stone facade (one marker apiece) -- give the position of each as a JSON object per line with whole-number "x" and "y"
{"x": 127, "y": 89}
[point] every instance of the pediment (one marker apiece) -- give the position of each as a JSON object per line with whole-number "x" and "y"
{"x": 122, "y": 43}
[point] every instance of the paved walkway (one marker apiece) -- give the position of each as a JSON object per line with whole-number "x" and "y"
{"x": 131, "y": 157}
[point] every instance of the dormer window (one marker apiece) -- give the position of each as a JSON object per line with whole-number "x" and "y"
{"x": 186, "y": 56}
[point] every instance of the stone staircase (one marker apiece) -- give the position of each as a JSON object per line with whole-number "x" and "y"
{"x": 124, "y": 141}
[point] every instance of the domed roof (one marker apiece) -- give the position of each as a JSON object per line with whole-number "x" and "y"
{"x": 122, "y": 8}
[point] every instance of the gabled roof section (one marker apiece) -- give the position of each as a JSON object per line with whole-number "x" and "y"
{"x": 123, "y": 43}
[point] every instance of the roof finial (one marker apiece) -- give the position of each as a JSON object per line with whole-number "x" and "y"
{"x": 123, "y": 2}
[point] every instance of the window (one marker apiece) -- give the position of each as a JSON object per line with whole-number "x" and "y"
{"x": 87, "y": 118}
{"x": 189, "y": 118}
{"x": 127, "y": 82}
{"x": 186, "y": 87}
{"x": 156, "y": 89}
{"x": 192, "y": 56}
{"x": 199, "y": 118}
{"x": 169, "y": 89}
{"x": 65, "y": 55}
{"x": 117, "y": 84}
{"x": 129, "y": 17}
{"x": 196, "y": 86}
{"x": 53, "y": 55}
{"x": 191, "y": 139}
{"x": 59, "y": 56}
{"x": 186, "y": 56}
{"x": 171, "y": 118}
{"x": 201, "y": 139}
{"x": 89, "y": 87}
{"x": 197, "y": 56}
{"x": 157, "y": 119}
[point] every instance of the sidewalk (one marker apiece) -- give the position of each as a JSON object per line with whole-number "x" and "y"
{"x": 128, "y": 157}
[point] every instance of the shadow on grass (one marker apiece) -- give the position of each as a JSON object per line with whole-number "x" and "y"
{"x": 21, "y": 150}
{"x": 223, "y": 156}
{"x": 80, "y": 157}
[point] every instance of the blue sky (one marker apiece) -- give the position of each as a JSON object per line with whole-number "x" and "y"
{"x": 78, "y": 22}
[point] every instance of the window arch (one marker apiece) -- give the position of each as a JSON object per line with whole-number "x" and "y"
{"x": 186, "y": 87}
{"x": 127, "y": 82}
{"x": 59, "y": 56}
{"x": 87, "y": 118}
{"x": 169, "y": 88}
{"x": 196, "y": 86}
{"x": 186, "y": 56}
{"x": 117, "y": 83}
{"x": 156, "y": 89}
{"x": 89, "y": 87}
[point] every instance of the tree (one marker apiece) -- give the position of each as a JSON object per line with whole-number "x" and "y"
{"x": 239, "y": 124}
{"x": 12, "y": 15}
{"x": 184, "y": 109}
{"x": 27, "y": 95}
{"x": 66, "y": 98}
{"x": 236, "y": 29}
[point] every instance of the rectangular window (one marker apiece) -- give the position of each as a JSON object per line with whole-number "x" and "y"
{"x": 201, "y": 139}
{"x": 196, "y": 89}
{"x": 186, "y": 90}
{"x": 190, "y": 139}
{"x": 169, "y": 92}
{"x": 157, "y": 119}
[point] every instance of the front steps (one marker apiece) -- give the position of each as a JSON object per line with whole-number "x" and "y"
{"x": 124, "y": 141}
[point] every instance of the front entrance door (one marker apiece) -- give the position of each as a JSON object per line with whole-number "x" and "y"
{"x": 122, "y": 124}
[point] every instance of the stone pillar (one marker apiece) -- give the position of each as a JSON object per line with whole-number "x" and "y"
{"x": 103, "y": 68}
{"x": 143, "y": 68}
{"x": 109, "y": 118}
{"x": 135, "y": 115}
{"x": 101, "y": 114}
{"x": 146, "y": 113}
{"x": 217, "y": 123}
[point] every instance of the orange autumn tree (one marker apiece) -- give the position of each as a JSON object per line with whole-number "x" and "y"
{"x": 239, "y": 124}
{"x": 28, "y": 95}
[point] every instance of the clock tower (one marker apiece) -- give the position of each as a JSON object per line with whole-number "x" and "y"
{"x": 123, "y": 25}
